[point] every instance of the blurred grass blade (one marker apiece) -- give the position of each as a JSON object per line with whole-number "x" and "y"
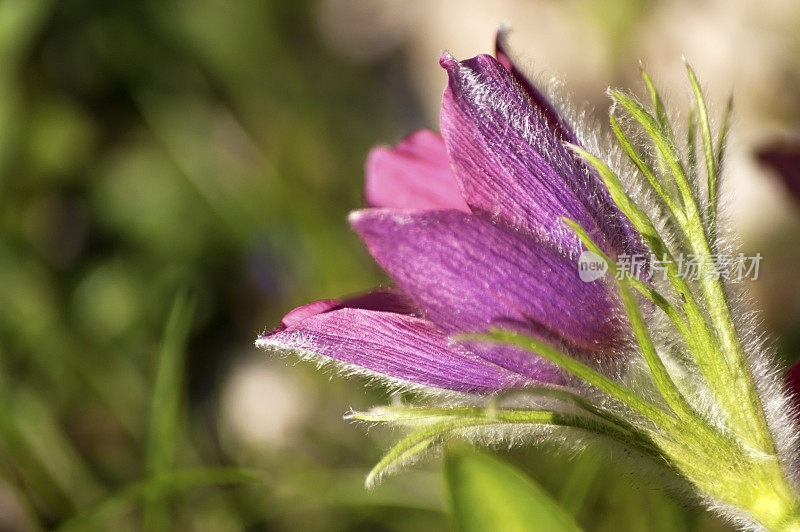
{"x": 161, "y": 486}
{"x": 53, "y": 448}
{"x": 20, "y": 22}
{"x": 41, "y": 486}
{"x": 162, "y": 437}
{"x": 487, "y": 494}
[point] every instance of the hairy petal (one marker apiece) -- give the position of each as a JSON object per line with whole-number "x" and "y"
{"x": 415, "y": 174}
{"x": 467, "y": 274}
{"x": 401, "y": 347}
{"x": 513, "y": 166}
{"x": 548, "y": 113}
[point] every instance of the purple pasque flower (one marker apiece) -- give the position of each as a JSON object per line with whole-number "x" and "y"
{"x": 468, "y": 225}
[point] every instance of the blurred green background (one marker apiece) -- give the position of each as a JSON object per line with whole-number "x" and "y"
{"x": 175, "y": 176}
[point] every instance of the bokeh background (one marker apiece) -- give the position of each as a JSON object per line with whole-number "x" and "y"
{"x": 176, "y": 174}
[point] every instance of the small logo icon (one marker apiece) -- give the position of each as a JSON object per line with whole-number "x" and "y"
{"x": 591, "y": 266}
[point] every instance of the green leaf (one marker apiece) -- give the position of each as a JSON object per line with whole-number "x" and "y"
{"x": 487, "y": 494}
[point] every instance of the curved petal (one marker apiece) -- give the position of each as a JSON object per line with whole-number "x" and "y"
{"x": 295, "y": 316}
{"x": 415, "y": 174}
{"x": 384, "y": 299}
{"x": 554, "y": 120}
{"x": 514, "y": 167}
{"x": 400, "y": 347}
{"x": 467, "y": 274}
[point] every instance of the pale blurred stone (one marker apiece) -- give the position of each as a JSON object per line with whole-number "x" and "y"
{"x": 261, "y": 405}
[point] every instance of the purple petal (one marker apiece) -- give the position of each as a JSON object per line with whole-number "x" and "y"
{"x": 784, "y": 159}
{"x": 309, "y": 309}
{"x": 415, "y": 174}
{"x": 467, "y": 274}
{"x": 385, "y": 299}
{"x": 401, "y": 347}
{"x": 514, "y": 167}
{"x": 537, "y": 99}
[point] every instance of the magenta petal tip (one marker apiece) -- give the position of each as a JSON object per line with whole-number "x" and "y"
{"x": 447, "y": 61}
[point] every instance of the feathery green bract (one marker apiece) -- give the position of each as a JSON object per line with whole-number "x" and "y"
{"x": 642, "y": 222}
{"x": 710, "y": 337}
{"x": 729, "y": 376}
{"x": 691, "y": 143}
{"x": 723, "y": 134}
{"x": 665, "y": 146}
{"x": 712, "y": 334}
{"x": 661, "y": 376}
{"x": 637, "y": 160}
{"x": 577, "y": 368}
{"x": 708, "y": 152}
{"x": 658, "y": 106}
{"x": 435, "y": 424}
